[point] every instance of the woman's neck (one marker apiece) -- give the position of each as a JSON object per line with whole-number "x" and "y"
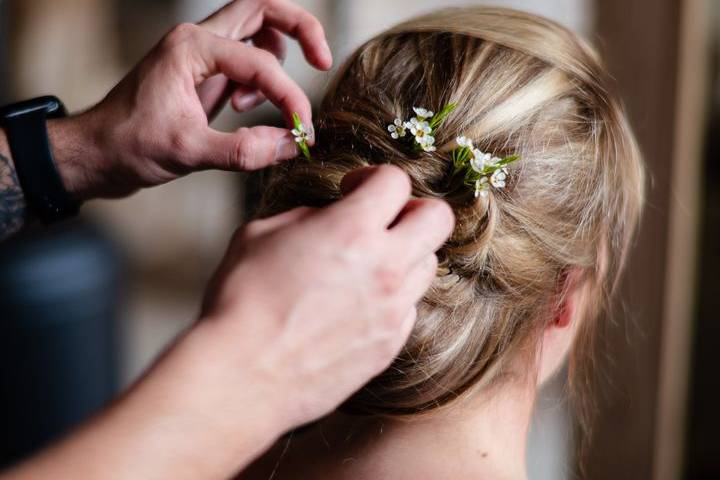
{"x": 483, "y": 437}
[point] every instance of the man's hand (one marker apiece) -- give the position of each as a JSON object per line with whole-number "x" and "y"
{"x": 154, "y": 126}
{"x": 316, "y": 302}
{"x": 305, "y": 308}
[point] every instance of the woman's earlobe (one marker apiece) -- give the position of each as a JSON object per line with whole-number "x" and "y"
{"x": 564, "y": 315}
{"x": 569, "y": 286}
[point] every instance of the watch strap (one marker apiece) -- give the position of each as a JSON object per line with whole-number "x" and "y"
{"x": 25, "y": 126}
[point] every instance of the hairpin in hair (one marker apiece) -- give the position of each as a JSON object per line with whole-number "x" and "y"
{"x": 480, "y": 170}
{"x": 302, "y": 134}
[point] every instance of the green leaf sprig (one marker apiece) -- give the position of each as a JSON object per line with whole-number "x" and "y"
{"x": 440, "y": 117}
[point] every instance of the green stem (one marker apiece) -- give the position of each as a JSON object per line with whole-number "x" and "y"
{"x": 440, "y": 117}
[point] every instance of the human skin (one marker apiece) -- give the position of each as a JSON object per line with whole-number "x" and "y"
{"x": 154, "y": 126}
{"x": 304, "y": 308}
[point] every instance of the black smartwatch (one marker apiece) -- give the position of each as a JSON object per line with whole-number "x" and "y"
{"x": 26, "y": 131}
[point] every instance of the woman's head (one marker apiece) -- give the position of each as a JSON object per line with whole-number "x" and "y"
{"x": 523, "y": 85}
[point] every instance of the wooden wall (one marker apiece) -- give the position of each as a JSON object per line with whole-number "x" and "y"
{"x": 656, "y": 51}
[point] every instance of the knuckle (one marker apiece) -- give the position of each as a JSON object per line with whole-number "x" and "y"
{"x": 245, "y": 149}
{"x": 265, "y": 60}
{"x": 252, "y": 229}
{"x": 313, "y": 25}
{"x": 179, "y": 145}
{"x": 248, "y": 232}
{"x": 389, "y": 279}
{"x": 268, "y": 57}
{"x": 179, "y": 34}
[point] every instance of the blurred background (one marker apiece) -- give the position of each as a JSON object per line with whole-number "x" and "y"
{"x": 87, "y": 305}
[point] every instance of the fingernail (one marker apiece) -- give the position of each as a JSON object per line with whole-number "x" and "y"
{"x": 286, "y": 148}
{"x": 311, "y": 134}
{"x": 246, "y": 102}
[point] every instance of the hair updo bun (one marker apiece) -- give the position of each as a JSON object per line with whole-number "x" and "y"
{"x": 523, "y": 85}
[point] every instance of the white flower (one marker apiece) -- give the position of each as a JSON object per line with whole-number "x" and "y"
{"x": 398, "y": 129}
{"x": 420, "y": 129}
{"x": 493, "y": 161}
{"x": 498, "y": 178}
{"x": 464, "y": 142}
{"x": 481, "y": 187}
{"x": 301, "y": 133}
{"x": 422, "y": 113}
{"x": 480, "y": 160}
{"x": 428, "y": 143}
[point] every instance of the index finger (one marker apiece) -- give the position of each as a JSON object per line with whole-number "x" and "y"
{"x": 255, "y": 68}
{"x": 242, "y": 19}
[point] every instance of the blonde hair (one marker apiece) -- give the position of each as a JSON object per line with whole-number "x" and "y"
{"x": 523, "y": 85}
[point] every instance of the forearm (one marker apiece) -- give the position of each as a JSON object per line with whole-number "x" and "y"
{"x": 13, "y": 210}
{"x": 178, "y": 422}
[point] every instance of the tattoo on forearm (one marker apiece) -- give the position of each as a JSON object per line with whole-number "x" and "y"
{"x": 12, "y": 200}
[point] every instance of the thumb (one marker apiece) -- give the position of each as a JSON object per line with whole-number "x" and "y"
{"x": 247, "y": 148}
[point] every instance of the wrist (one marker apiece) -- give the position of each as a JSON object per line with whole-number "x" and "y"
{"x": 217, "y": 415}
{"x": 78, "y": 155}
{"x": 193, "y": 415}
{"x": 230, "y": 367}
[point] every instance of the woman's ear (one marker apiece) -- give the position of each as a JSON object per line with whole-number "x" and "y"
{"x": 563, "y": 315}
{"x": 561, "y": 329}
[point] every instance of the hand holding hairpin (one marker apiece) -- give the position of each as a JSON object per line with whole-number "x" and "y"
{"x": 302, "y": 134}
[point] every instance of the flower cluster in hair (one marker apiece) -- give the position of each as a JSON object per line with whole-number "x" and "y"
{"x": 421, "y": 126}
{"x": 479, "y": 170}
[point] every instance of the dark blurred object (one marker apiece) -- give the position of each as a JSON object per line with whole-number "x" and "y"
{"x": 59, "y": 347}
{"x": 703, "y": 448}
{"x": 141, "y": 24}
{"x": 4, "y": 94}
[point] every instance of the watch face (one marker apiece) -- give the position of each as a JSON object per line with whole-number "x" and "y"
{"x": 52, "y": 106}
